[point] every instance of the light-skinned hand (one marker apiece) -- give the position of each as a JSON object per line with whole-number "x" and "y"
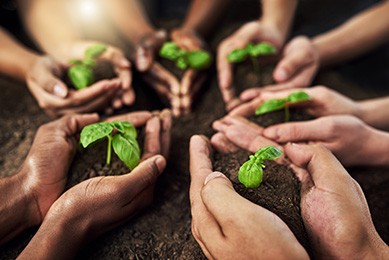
{"x": 333, "y": 207}
{"x": 226, "y": 225}
{"x": 296, "y": 69}
{"x": 255, "y": 32}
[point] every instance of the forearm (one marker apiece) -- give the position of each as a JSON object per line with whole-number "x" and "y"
{"x": 18, "y": 210}
{"x": 50, "y": 25}
{"x": 55, "y": 239}
{"x": 375, "y": 112}
{"x": 279, "y": 14}
{"x": 15, "y": 58}
{"x": 130, "y": 18}
{"x": 203, "y": 15}
{"x": 376, "y": 152}
{"x": 357, "y": 36}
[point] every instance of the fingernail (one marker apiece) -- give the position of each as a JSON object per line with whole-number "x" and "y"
{"x": 60, "y": 91}
{"x": 281, "y": 75}
{"x": 160, "y": 162}
{"x": 142, "y": 63}
{"x": 214, "y": 175}
{"x": 272, "y": 133}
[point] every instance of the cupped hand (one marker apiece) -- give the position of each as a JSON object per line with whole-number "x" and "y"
{"x": 296, "y": 69}
{"x": 323, "y": 102}
{"x": 352, "y": 141}
{"x": 235, "y": 132}
{"x": 333, "y": 207}
{"x": 56, "y": 99}
{"x": 226, "y": 225}
{"x": 192, "y": 80}
{"x": 251, "y": 32}
{"x": 49, "y": 158}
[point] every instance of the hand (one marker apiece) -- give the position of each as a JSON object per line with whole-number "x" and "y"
{"x": 296, "y": 69}
{"x": 222, "y": 219}
{"x": 49, "y": 158}
{"x": 165, "y": 83}
{"x": 97, "y": 205}
{"x": 235, "y": 132}
{"x": 56, "y": 99}
{"x": 192, "y": 80}
{"x": 333, "y": 207}
{"x": 324, "y": 102}
{"x": 250, "y": 32}
{"x": 352, "y": 141}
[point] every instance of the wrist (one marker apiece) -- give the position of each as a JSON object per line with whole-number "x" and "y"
{"x": 376, "y": 152}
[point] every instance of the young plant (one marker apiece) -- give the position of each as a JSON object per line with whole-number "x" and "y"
{"x": 278, "y": 104}
{"x": 81, "y": 71}
{"x": 251, "y": 172}
{"x": 124, "y": 142}
{"x": 183, "y": 59}
{"x": 253, "y": 51}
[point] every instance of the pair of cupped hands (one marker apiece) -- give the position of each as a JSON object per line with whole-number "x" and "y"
{"x": 55, "y": 98}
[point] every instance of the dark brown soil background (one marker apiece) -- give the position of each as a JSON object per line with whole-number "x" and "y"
{"x": 163, "y": 230}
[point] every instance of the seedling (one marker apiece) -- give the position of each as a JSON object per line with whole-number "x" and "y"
{"x": 81, "y": 71}
{"x": 278, "y": 104}
{"x": 253, "y": 51}
{"x": 183, "y": 59}
{"x": 124, "y": 142}
{"x": 251, "y": 172}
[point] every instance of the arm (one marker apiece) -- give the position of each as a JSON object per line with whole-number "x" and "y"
{"x": 375, "y": 112}
{"x": 11, "y": 53}
{"x": 368, "y": 29}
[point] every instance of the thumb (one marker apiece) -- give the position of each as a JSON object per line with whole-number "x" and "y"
{"x": 54, "y": 86}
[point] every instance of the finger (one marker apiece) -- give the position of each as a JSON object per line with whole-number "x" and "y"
{"x": 128, "y": 97}
{"x": 152, "y": 144}
{"x": 204, "y": 226}
{"x": 94, "y": 105}
{"x": 165, "y": 77}
{"x": 117, "y": 102}
{"x": 187, "y": 81}
{"x": 250, "y": 94}
{"x": 248, "y": 108}
{"x": 166, "y": 124}
{"x": 75, "y": 123}
{"x": 144, "y": 57}
{"x": 313, "y": 130}
{"x": 222, "y": 144}
{"x": 304, "y": 178}
{"x": 138, "y": 118}
{"x": 224, "y": 73}
{"x": 142, "y": 177}
{"x": 290, "y": 65}
{"x": 125, "y": 77}
{"x": 324, "y": 169}
{"x": 162, "y": 90}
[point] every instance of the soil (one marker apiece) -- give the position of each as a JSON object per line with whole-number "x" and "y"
{"x": 163, "y": 231}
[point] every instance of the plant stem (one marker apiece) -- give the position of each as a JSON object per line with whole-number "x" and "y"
{"x": 109, "y": 149}
{"x": 287, "y": 113}
{"x": 256, "y": 68}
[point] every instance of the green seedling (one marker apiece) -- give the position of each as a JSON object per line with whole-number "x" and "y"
{"x": 124, "y": 142}
{"x": 278, "y": 104}
{"x": 253, "y": 51}
{"x": 251, "y": 172}
{"x": 183, "y": 59}
{"x": 81, "y": 71}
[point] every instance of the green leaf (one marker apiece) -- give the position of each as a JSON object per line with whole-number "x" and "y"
{"x": 298, "y": 96}
{"x": 261, "y": 49}
{"x": 170, "y": 51}
{"x": 250, "y": 174}
{"x": 198, "y": 60}
{"x": 125, "y": 128}
{"x": 268, "y": 153}
{"x": 94, "y": 132}
{"x": 127, "y": 149}
{"x": 95, "y": 51}
{"x": 181, "y": 63}
{"x": 81, "y": 76}
{"x": 237, "y": 55}
{"x": 75, "y": 62}
{"x": 88, "y": 62}
{"x": 270, "y": 105}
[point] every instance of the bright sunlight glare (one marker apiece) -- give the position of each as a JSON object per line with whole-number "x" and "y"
{"x": 88, "y": 8}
